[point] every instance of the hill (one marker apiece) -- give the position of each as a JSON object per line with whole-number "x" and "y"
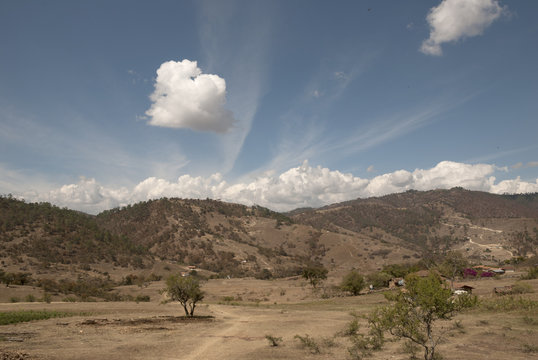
{"x": 235, "y": 240}
{"x": 439, "y": 220}
{"x": 42, "y": 234}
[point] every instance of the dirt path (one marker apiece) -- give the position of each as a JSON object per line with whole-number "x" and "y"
{"x": 488, "y": 246}
{"x": 208, "y": 347}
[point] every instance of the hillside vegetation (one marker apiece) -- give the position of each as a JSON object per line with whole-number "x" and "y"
{"x": 227, "y": 239}
{"x": 47, "y": 234}
{"x": 437, "y": 219}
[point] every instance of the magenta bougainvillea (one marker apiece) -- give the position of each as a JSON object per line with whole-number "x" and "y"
{"x": 469, "y": 273}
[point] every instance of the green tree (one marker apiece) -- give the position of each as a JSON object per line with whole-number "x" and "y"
{"x": 379, "y": 279}
{"x": 9, "y": 278}
{"x": 353, "y": 282}
{"x": 315, "y": 275}
{"x": 414, "y": 312}
{"x": 453, "y": 266}
{"x": 186, "y": 290}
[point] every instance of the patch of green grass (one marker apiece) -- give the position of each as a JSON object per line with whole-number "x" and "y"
{"x": 15, "y": 317}
{"x": 362, "y": 304}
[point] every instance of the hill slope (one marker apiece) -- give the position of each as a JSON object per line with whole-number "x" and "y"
{"x": 438, "y": 219}
{"x": 237, "y": 240}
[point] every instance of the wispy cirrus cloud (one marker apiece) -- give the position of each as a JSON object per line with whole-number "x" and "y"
{"x": 499, "y": 154}
{"x": 242, "y": 57}
{"x": 306, "y": 125}
{"x": 73, "y": 144}
{"x": 313, "y": 140}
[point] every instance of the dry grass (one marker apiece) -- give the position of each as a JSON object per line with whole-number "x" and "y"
{"x": 151, "y": 330}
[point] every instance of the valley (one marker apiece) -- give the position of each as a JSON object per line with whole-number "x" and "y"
{"x": 106, "y": 273}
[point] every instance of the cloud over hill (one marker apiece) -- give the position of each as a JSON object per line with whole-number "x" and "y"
{"x": 302, "y": 186}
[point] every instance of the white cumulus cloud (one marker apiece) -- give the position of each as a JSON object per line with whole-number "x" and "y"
{"x": 184, "y": 97}
{"x": 453, "y": 20}
{"x": 300, "y": 186}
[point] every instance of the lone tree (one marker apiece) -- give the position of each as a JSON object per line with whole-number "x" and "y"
{"x": 186, "y": 290}
{"x": 353, "y": 282}
{"x": 414, "y": 314}
{"x": 315, "y": 275}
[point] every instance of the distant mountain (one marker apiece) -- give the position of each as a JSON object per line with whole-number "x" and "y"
{"x": 237, "y": 240}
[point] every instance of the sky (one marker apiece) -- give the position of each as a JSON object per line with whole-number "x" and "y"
{"x": 283, "y": 104}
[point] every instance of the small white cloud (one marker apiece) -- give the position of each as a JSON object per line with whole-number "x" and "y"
{"x": 453, "y": 20}
{"x": 370, "y": 168}
{"x": 184, "y": 97}
{"x": 316, "y": 94}
{"x": 517, "y": 166}
{"x": 410, "y": 26}
{"x": 532, "y": 164}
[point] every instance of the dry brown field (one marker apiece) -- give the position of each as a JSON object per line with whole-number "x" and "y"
{"x": 235, "y": 317}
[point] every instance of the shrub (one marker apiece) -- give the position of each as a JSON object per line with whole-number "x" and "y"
{"x": 315, "y": 274}
{"x": 353, "y": 326}
{"x": 509, "y": 303}
{"x": 142, "y": 298}
{"x": 532, "y": 273}
{"x": 530, "y": 321}
{"x": 47, "y": 298}
{"x": 469, "y": 273}
{"x": 521, "y": 288}
{"x": 264, "y": 274}
{"x": 273, "y": 340}
{"x": 528, "y": 348}
{"x": 379, "y": 279}
{"x": 353, "y": 282}
{"x": 308, "y": 343}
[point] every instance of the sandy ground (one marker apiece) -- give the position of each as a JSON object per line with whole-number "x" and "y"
{"x": 156, "y": 331}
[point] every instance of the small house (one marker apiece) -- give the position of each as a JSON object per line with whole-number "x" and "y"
{"x": 463, "y": 289}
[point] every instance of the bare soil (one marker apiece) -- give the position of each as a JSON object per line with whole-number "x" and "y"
{"x": 236, "y": 329}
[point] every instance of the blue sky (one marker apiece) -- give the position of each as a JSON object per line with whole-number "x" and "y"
{"x": 278, "y": 103}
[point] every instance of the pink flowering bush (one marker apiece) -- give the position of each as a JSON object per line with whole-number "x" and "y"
{"x": 467, "y": 273}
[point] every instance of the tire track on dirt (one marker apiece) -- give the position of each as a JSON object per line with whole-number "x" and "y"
{"x": 208, "y": 347}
